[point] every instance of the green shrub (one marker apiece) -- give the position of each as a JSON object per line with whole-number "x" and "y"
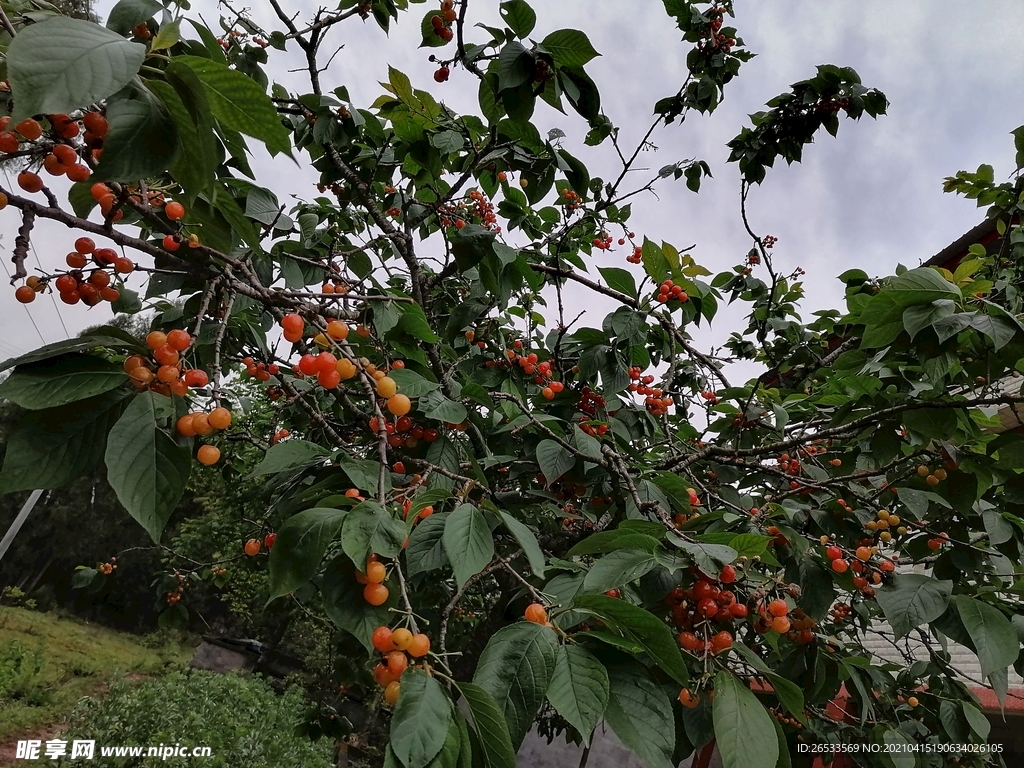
{"x": 21, "y": 677}
{"x": 242, "y": 720}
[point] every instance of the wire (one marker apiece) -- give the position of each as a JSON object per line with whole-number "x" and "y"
{"x": 53, "y": 300}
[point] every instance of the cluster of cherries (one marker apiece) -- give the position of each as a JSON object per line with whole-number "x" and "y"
{"x": 260, "y": 371}
{"x": 442, "y": 23}
{"x": 603, "y": 241}
{"x": 63, "y": 159}
{"x": 107, "y": 568}
{"x": 860, "y": 564}
{"x": 374, "y": 590}
{"x": 404, "y": 432}
{"x": 696, "y": 607}
{"x": 400, "y": 648}
{"x": 669, "y": 291}
{"x": 572, "y": 200}
{"x": 175, "y": 594}
{"x": 252, "y": 546}
{"x": 655, "y": 400}
{"x": 163, "y": 371}
{"x": 75, "y": 286}
{"x": 930, "y": 477}
{"x": 201, "y": 424}
{"x": 480, "y": 209}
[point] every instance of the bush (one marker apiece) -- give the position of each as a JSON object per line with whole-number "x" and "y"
{"x": 239, "y": 717}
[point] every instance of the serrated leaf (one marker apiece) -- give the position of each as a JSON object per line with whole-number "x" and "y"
{"x": 642, "y": 627}
{"x": 490, "y": 726}
{"x": 743, "y": 727}
{"x": 146, "y": 468}
{"x": 579, "y": 688}
{"x": 60, "y": 64}
{"x": 411, "y": 383}
{"x": 142, "y": 139}
{"x": 419, "y": 727}
{"x": 50, "y": 448}
{"x": 55, "y": 382}
{"x": 468, "y": 542}
{"x": 302, "y": 541}
{"x": 994, "y": 639}
{"x": 554, "y": 460}
{"x": 290, "y": 455}
{"x": 519, "y": 16}
{"x": 128, "y": 14}
{"x": 569, "y": 47}
{"x": 515, "y": 668}
{"x": 239, "y": 102}
{"x": 641, "y": 716}
{"x": 526, "y": 539}
{"x": 618, "y": 569}
{"x": 369, "y": 528}
{"x": 426, "y": 546}
{"x": 912, "y": 600}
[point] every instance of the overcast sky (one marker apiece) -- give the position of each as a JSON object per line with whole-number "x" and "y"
{"x": 870, "y": 198}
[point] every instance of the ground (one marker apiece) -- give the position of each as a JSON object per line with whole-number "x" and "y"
{"x": 47, "y": 663}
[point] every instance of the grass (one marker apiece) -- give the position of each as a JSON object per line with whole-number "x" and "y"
{"x": 48, "y": 663}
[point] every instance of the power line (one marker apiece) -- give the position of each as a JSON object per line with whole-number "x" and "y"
{"x": 53, "y": 300}
{"x": 25, "y": 306}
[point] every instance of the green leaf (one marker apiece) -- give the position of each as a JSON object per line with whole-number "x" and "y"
{"x": 468, "y": 542}
{"x": 899, "y": 749}
{"x": 708, "y": 557}
{"x": 917, "y": 318}
{"x": 610, "y": 541}
{"x": 167, "y": 36}
{"x": 414, "y": 322}
{"x": 290, "y": 455}
{"x": 426, "y": 545}
{"x": 54, "y": 382}
{"x": 515, "y": 669}
{"x": 437, "y": 406}
{"x": 569, "y": 47}
{"x": 142, "y": 140}
{"x": 994, "y": 639}
{"x": 655, "y": 263}
{"x": 419, "y": 727}
{"x": 515, "y": 66}
{"x": 920, "y": 286}
{"x": 146, "y": 468}
{"x": 345, "y": 605}
{"x": 60, "y": 64}
{"x": 239, "y": 102}
{"x": 448, "y": 142}
{"x": 519, "y": 16}
{"x": 977, "y": 720}
{"x": 579, "y": 688}
{"x": 642, "y": 627}
{"x": 743, "y": 728}
{"x": 620, "y": 280}
{"x": 640, "y": 714}
{"x": 50, "y": 448}
{"x": 554, "y": 460}
{"x": 913, "y": 600}
{"x": 301, "y": 544}
{"x": 127, "y": 302}
{"x": 369, "y": 528}
{"x": 128, "y": 14}
{"x": 411, "y": 383}
{"x": 526, "y": 539}
{"x": 618, "y": 569}
{"x": 490, "y": 726}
